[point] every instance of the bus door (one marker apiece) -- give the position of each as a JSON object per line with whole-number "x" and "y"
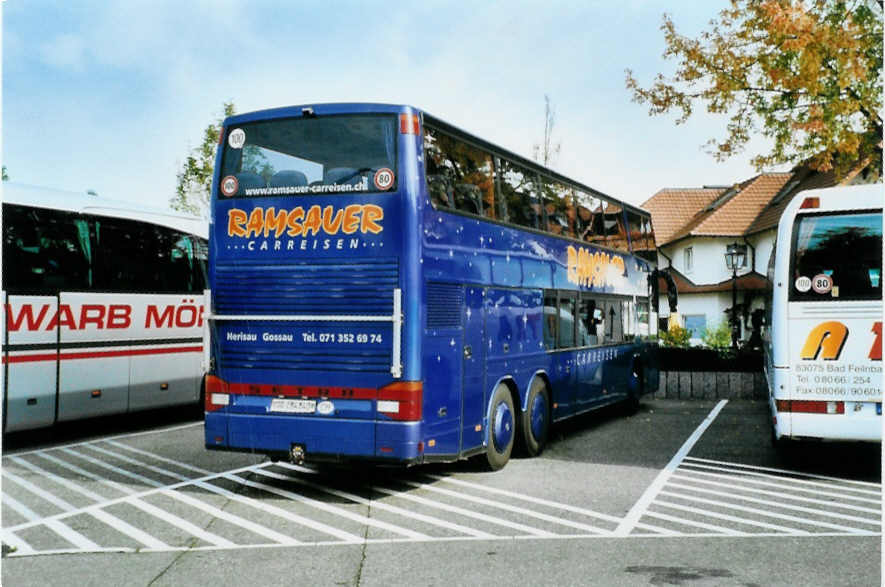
{"x": 94, "y": 367}
{"x": 474, "y": 396}
{"x": 30, "y": 356}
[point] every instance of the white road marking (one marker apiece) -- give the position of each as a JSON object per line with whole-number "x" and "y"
{"x": 89, "y": 475}
{"x": 768, "y": 513}
{"x": 781, "y": 494}
{"x": 694, "y": 523}
{"x": 22, "y": 547}
{"x": 42, "y": 493}
{"x": 117, "y": 470}
{"x": 162, "y": 459}
{"x": 128, "y": 529}
{"x": 388, "y": 508}
{"x": 463, "y": 512}
{"x": 510, "y": 508}
{"x": 794, "y": 473}
{"x": 529, "y": 498}
{"x": 71, "y": 535}
{"x": 59, "y": 480}
{"x": 137, "y": 463}
{"x": 778, "y": 504}
{"x": 180, "y": 523}
{"x": 712, "y": 514}
{"x": 327, "y": 507}
{"x": 739, "y": 477}
{"x": 23, "y": 510}
{"x": 232, "y": 518}
{"x": 629, "y": 522}
{"x": 273, "y": 510}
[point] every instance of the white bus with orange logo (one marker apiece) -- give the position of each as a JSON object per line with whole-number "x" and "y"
{"x": 102, "y": 307}
{"x": 823, "y": 351}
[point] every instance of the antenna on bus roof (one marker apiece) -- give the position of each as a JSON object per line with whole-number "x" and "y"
{"x": 307, "y": 112}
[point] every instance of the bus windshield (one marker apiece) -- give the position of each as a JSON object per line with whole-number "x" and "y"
{"x": 317, "y": 155}
{"x": 847, "y": 248}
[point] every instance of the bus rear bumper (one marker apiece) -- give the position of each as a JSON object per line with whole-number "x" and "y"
{"x": 321, "y": 439}
{"x": 848, "y": 427}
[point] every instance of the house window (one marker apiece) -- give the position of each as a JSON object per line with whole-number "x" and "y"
{"x": 688, "y": 256}
{"x": 696, "y": 324}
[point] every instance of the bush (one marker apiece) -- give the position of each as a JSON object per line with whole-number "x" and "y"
{"x": 676, "y": 336}
{"x": 718, "y": 337}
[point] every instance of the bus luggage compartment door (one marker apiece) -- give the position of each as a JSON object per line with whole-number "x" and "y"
{"x": 30, "y": 354}
{"x": 94, "y": 367}
{"x": 473, "y": 400}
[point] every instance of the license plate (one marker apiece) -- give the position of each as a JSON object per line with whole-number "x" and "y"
{"x": 293, "y": 406}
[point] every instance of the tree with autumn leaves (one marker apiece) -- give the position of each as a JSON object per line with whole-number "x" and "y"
{"x": 805, "y": 74}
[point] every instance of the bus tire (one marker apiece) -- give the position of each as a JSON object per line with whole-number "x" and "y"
{"x": 502, "y": 428}
{"x": 536, "y": 418}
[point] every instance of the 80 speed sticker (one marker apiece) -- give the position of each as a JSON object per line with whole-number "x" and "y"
{"x": 384, "y": 179}
{"x": 229, "y": 185}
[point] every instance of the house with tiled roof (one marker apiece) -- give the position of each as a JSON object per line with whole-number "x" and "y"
{"x": 694, "y": 226}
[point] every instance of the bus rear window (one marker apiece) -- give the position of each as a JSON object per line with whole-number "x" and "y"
{"x": 837, "y": 257}
{"x": 303, "y": 156}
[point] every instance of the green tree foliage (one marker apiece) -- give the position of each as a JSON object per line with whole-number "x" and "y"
{"x": 194, "y": 181}
{"x": 807, "y": 74}
{"x": 5, "y": 175}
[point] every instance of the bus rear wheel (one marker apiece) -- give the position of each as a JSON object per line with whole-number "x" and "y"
{"x": 536, "y": 419}
{"x": 502, "y": 427}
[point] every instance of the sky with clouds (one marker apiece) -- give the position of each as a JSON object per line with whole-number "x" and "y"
{"x": 112, "y": 95}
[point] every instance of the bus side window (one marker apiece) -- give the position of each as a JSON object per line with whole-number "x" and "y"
{"x": 588, "y": 326}
{"x": 517, "y": 191}
{"x": 550, "y": 320}
{"x": 566, "y": 328}
{"x": 465, "y": 173}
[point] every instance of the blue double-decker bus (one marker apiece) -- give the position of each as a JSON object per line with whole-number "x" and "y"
{"x": 385, "y": 286}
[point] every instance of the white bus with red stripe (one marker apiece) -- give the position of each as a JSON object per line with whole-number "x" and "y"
{"x": 103, "y": 308}
{"x": 823, "y": 347}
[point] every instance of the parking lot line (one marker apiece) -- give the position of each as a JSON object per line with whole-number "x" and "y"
{"x": 695, "y": 523}
{"x": 180, "y": 523}
{"x": 639, "y": 508}
{"x": 110, "y": 467}
{"x": 720, "y": 516}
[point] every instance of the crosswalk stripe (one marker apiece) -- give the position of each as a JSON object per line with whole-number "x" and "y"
{"x": 720, "y": 516}
{"x": 327, "y": 507}
{"x": 388, "y": 508}
{"x": 463, "y": 512}
{"x": 232, "y": 518}
{"x": 770, "y": 514}
{"x": 784, "y": 495}
{"x": 510, "y": 508}
{"x": 180, "y": 523}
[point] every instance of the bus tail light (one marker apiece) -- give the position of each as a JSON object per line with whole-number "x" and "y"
{"x": 401, "y": 400}
{"x": 810, "y": 407}
{"x": 810, "y": 203}
{"x": 216, "y": 393}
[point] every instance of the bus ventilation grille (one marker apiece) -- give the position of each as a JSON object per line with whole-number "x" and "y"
{"x": 316, "y": 288}
{"x": 445, "y": 302}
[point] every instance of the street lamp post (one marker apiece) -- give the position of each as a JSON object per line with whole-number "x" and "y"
{"x": 735, "y": 257}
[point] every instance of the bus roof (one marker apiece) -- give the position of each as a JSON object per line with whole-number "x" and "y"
{"x": 365, "y": 108}
{"x": 40, "y": 197}
{"x": 835, "y": 199}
